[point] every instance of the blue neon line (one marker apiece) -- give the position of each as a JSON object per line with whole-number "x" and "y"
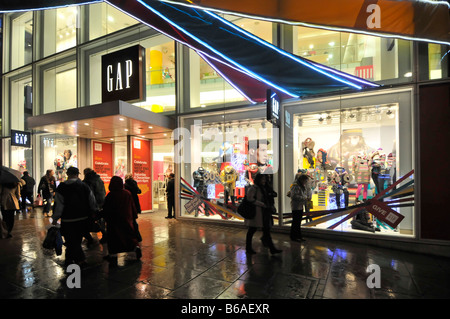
{"x": 217, "y": 52}
{"x": 184, "y": 43}
{"x": 227, "y": 79}
{"x": 281, "y": 51}
{"x": 309, "y": 25}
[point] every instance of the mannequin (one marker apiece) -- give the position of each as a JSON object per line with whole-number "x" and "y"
{"x": 377, "y": 166}
{"x": 361, "y": 169}
{"x": 309, "y": 157}
{"x": 340, "y": 180}
{"x": 228, "y": 177}
{"x": 199, "y": 180}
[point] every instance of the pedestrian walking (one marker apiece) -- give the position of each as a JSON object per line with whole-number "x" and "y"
{"x": 120, "y": 214}
{"x": 74, "y": 203}
{"x": 299, "y": 196}
{"x": 97, "y": 186}
{"x": 9, "y": 195}
{"x": 132, "y": 186}
{"x": 46, "y": 188}
{"x": 27, "y": 190}
{"x": 257, "y": 195}
{"x": 170, "y": 193}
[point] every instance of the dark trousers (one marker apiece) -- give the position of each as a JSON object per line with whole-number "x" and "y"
{"x": 73, "y": 233}
{"x": 296, "y": 232}
{"x": 267, "y": 238}
{"x": 171, "y": 207}
{"x": 26, "y": 195}
{"x": 8, "y": 218}
{"x": 48, "y": 205}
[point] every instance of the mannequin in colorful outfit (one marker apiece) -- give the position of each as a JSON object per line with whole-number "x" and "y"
{"x": 361, "y": 170}
{"x": 228, "y": 177}
{"x": 309, "y": 157}
{"x": 340, "y": 179}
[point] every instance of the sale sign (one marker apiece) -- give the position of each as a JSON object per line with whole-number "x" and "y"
{"x": 384, "y": 213}
{"x": 142, "y": 169}
{"x": 103, "y": 161}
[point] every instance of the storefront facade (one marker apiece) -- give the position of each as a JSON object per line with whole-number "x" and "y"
{"x": 192, "y": 122}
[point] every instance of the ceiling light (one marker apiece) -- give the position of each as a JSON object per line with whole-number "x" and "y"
{"x": 150, "y": 127}
{"x": 408, "y": 74}
{"x": 95, "y": 132}
{"x": 121, "y": 119}
{"x": 126, "y": 130}
{"x": 87, "y": 124}
{"x": 311, "y": 46}
{"x": 331, "y": 44}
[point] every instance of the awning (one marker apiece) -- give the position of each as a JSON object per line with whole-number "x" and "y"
{"x": 249, "y": 63}
{"x": 412, "y": 19}
{"x": 418, "y": 20}
{"x": 105, "y": 121}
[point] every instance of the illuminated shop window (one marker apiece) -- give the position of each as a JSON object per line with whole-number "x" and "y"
{"x": 103, "y": 19}
{"x": 19, "y": 39}
{"x": 220, "y": 160}
{"x": 368, "y": 57}
{"x": 352, "y": 152}
{"x": 59, "y": 30}
{"x": 58, "y": 153}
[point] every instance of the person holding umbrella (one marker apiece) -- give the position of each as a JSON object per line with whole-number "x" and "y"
{"x": 9, "y": 196}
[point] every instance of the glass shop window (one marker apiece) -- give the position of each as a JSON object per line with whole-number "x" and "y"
{"x": 220, "y": 163}
{"x": 19, "y": 39}
{"x": 58, "y": 153}
{"x": 351, "y": 156}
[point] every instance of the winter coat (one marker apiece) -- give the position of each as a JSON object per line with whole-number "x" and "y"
{"x": 120, "y": 214}
{"x": 257, "y": 196}
{"x": 10, "y": 197}
{"x": 29, "y": 186}
{"x": 132, "y": 186}
{"x": 47, "y": 186}
{"x": 95, "y": 183}
{"x": 299, "y": 195}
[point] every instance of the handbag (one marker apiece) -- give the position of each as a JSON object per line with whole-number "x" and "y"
{"x": 246, "y": 209}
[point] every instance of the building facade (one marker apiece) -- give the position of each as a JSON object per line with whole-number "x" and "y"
{"x": 189, "y": 120}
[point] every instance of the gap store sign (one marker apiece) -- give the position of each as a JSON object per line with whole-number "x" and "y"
{"x": 123, "y": 75}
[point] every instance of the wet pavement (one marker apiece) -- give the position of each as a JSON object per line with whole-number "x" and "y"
{"x": 189, "y": 260}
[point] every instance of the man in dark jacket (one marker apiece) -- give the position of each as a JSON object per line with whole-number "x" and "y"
{"x": 74, "y": 203}
{"x": 95, "y": 183}
{"x": 170, "y": 191}
{"x": 27, "y": 190}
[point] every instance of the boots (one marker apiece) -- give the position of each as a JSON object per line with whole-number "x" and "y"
{"x": 248, "y": 244}
{"x": 267, "y": 242}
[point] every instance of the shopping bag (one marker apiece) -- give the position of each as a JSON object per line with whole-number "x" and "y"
{"x": 50, "y": 239}
{"x": 38, "y": 201}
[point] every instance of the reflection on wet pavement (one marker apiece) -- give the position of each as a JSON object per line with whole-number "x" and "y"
{"x": 189, "y": 260}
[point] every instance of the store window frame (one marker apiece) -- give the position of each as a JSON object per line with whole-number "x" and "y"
{"x": 406, "y": 144}
{"x": 239, "y": 114}
{"x": 53, "y": 62}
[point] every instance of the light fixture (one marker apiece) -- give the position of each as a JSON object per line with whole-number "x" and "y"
{"x": 150, "y": 127}
{"x": 87, "y": 124}
{"x": 331, "y": 44}
{"x": 121, "y": 119}
{"x": 311, "y": 46}
{"x": 96, "y": 133}
{"x": 408, "y": 74}
{"x": 126, "y": 130}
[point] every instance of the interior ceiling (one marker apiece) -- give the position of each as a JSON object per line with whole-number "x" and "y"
{"x": 108, "y": 128}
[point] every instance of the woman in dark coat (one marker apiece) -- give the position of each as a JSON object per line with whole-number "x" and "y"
{"x": 132, "y": 186}
{"x": 120, "y": 214}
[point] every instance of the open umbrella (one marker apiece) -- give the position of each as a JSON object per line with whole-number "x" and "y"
{"x": 9, "y": 175}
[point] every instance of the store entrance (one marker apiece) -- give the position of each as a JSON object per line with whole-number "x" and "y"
{"x": 163, "y": 165}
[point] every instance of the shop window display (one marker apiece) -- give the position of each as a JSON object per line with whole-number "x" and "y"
{"x": 58, "y": 153}
{"x": 224, "y": 160}
{"x": 351, "y": 156}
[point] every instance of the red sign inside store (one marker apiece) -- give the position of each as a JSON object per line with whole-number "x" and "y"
{"x": 142, "y": 169}
{"x": 103, "y": 161}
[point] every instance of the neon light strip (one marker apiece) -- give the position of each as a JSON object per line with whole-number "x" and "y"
{"x": 309, "y": 25}
{"x": 227, "y": 79}
{"x": 217, "y": 52}
{"x": 267, "y": 44}
{"x": 188, "y": 45}
{"x": 54, "y": 7}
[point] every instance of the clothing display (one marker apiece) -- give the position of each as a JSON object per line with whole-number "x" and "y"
{"x": 340, "y": 181}
{"x": 309, "y": 157}
{"x": 228, "y": 177}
